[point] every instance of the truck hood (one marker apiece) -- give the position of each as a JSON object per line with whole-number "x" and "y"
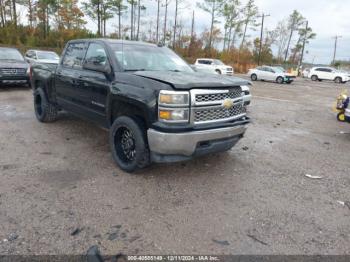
{"x": 13, "y": 64}
{"x": 186, "y": 81}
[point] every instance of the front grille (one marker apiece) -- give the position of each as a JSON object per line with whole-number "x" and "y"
{"x": 232, "y": 94}
{"x": 211, "y": 105}
{"x": 214, "y": 114}
{"x": 12, "y": 71}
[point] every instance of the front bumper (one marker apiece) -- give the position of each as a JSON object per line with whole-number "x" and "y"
{"x": 15, "y": 80}
{"x": 173, "y": 147}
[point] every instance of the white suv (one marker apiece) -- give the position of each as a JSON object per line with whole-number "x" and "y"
{"x": 328, "y": 73}
{"x": 213, "y": 65}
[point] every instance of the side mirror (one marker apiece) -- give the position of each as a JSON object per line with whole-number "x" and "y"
{"x": 106, "y": 69}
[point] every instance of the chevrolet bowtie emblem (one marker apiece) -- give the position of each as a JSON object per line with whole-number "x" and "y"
{"x": 228, "y": 103}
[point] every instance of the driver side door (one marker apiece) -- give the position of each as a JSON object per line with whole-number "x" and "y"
{"x": 96, "y": 84}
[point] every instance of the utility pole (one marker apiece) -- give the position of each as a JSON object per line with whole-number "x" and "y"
{"x": 335, "y": 47}
{"x": 192, "y": 28}
{"x": 261, "y": 35}
{"x": 302, "y": 51}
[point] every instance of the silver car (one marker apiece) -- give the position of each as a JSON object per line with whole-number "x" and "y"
{"x": 39, "y": 56}
{"x": 270, "y": 73}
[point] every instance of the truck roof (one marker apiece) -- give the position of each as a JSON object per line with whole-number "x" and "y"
{"x": 112, "y": 41}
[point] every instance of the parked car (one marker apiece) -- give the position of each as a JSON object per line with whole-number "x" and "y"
{"x": 328, "y": 73}
{"x": 47, "y": 57}
{"x": 213, "y": 65}
{"x": 157, "y": 109}
{"x": 269, "y": 73}
{"x": 13, "y": 68}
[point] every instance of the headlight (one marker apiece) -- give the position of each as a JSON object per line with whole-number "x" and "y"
{"x": 173, "y": 98}
{"x": 173, "y": 106}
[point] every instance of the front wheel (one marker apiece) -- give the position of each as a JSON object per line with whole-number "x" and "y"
{"x": 129, "y": 144}
{"x": 44, "y": 110}
{"x": 279, "y": 80}
{"x": 338, "y": 80}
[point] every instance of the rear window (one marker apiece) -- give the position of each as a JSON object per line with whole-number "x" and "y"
{"x": 74, "y": 55}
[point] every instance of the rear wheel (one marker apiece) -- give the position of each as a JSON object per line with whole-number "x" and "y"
{"x": 129, "y": 144}
{"x": 44, "y": 110}
{"x": 280, "y": 80}
{"x": 254, "y": 77}
{"x": 338, "y": 80}
{"x": 314, "y": 78}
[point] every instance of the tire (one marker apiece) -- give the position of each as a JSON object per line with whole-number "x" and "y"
{"x": 254, "y": 77}
{"x": 280, "y": 80}
{"x": 132, "y": 153}
{"x": 218, "y": 71}
{"x": 44, "y": 110}
{"x": 314, "y": 78}
{"x": 341, "y": 117}
{"x": 338, "y": 80}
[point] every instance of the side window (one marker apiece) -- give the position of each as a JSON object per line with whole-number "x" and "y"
{"x": 74, "y": 55}
{"x": 96, "y": 55}
{"x": 202, "y": 62}
{"x": 328, "y": 70}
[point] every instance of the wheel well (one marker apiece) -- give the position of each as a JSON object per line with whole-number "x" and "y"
{"x": 120, "y": 108}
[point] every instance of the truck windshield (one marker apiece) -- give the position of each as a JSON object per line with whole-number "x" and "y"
{"x": 149, "y": 58}
{"x": 10, "y": 54}
{"x": 47, "y": 56}
{"x": 218, "y": 62}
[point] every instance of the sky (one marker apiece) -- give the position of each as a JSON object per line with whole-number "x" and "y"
{"x": 327, "y": 18}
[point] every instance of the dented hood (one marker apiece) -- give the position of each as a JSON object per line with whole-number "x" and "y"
{"x": 186, "y": 81}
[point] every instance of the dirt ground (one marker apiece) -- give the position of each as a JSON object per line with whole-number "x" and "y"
{"x": 61, "y": 193}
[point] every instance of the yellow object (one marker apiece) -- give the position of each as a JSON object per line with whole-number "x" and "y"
{"x": 166, "y": 115}
{"x": 340, "y": 100}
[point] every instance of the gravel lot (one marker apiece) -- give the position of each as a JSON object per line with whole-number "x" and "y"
{"x": 59, "y": 178}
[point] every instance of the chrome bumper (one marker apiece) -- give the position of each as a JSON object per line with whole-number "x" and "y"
{"x": 185, "y": 144}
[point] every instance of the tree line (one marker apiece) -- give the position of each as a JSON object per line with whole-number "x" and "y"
{"x": 50, "y": 23}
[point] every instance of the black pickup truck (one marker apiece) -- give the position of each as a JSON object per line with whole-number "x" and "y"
{"x": 156, "y": 107}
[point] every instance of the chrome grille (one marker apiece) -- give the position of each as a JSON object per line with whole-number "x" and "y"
{"x": 12, "y": 71}
{"x": 232, "y": 94}
{"x": 218, "y": 113}
{"x": 211, "y": 105}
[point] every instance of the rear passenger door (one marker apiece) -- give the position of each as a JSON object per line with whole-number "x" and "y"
{"x": 69, "y": 91}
